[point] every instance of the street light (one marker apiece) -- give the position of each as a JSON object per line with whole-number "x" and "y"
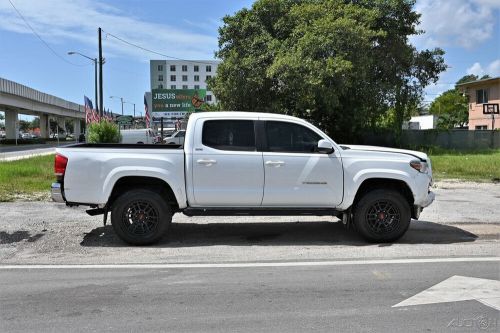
{"x": 121, "y": 100}
{"x": 95, "y": 77}
{"x": 132, "y": 104}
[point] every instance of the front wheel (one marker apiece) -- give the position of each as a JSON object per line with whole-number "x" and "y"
{"x": 382, "y": 216}
{"x": 140, "y": 217}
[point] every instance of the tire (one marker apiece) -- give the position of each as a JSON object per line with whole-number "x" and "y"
{"x": 140, "y": 217}
{"x": 382, "y": 216}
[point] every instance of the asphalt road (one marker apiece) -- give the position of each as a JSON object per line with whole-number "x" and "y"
{"x": 350, "y": 298}
{"x": 61, "y": 270}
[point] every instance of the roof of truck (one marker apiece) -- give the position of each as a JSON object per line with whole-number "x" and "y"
{"x": 238, "y": 114}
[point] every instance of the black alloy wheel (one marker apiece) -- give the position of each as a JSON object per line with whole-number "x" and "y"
{"x": 382, "y": 215}
{"x": 140, "y": 216}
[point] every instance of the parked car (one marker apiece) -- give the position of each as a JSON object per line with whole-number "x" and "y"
{"x": 176, "y": 139}
{"x": 25, "y": 136}
{"x": 60, "y": 136}
{"x": 235, "y": 163}
{"x": 145, "y": 136}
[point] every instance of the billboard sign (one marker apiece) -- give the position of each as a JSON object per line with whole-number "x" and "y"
{"x": 176, "y": 103}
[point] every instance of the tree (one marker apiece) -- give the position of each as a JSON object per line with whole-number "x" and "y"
{"x": 24, "y": 125}
{"x": 467, "y": 78}
{"x": 451, "y": 108}
{"x": 35, "y": 123}
{"x": 348, "y": 62}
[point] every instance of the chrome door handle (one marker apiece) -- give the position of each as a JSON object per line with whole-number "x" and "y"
{"x": 206, "y": 162}
{"x": 275, "y": 163}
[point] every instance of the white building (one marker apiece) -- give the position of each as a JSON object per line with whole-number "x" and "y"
{"x": 183, "y": 74}
{"x": 421, "y": 122}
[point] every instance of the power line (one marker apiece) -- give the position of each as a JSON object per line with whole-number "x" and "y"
{"x": 42, "y": 40}
{"x": 154, "y": 52}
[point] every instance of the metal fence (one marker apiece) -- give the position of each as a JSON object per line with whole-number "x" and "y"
{"x": 454, "y": 139}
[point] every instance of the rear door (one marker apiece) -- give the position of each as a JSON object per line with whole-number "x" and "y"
{"x": 227, "y": 168}
{"x": 296, "y": 175}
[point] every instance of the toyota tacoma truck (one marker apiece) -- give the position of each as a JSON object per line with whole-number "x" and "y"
{"x": 245, "y": 163}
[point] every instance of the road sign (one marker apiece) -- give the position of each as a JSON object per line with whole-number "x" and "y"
{"x": 490, "y": 109}
{"x": 125, "y": 120}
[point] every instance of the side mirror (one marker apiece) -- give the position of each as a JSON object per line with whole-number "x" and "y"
{"x": 325, "y": 147}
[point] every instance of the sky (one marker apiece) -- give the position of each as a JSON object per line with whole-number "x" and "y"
{"x": 468, "y": 31}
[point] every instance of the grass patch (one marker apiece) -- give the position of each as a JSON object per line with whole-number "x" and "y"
{"x": 476, "y": 166}
{"x": 29, "y": 176}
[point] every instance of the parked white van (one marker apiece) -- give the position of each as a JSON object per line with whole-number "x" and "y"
{"x": 145, "y": 135}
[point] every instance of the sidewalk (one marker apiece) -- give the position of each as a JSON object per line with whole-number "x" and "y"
{"x": 18, "y": 155}
{"x": 13, "y": 152}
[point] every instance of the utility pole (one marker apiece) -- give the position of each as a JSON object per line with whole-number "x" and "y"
{"x": 100, "y": 75}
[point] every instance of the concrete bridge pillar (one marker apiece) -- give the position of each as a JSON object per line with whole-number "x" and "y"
{"x": 44, "y": 126}
{"x": 10, "y": 125}
{"x": 76, "y": 128}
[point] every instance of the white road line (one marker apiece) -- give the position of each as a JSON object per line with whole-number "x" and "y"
{"x": 255, "y": 264}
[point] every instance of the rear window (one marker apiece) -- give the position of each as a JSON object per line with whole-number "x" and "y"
{"x": 233, "y": 135}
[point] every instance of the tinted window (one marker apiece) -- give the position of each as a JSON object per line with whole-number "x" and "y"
{"x": 288, "y": 137}
{"x": 181, "y": 134}
{"x": 229, "y": 135}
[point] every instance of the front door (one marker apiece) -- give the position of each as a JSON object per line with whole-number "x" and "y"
{"x": 296, "y": 175}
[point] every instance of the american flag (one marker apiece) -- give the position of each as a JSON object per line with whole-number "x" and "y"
{"x": 89, "y": 112}
{"x": 95, "y": 116}
{"x": 146, "y": 111}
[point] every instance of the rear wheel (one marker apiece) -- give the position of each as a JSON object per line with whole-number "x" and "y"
{"x": 140, "y": 217}
{"x": 382, "y": 216}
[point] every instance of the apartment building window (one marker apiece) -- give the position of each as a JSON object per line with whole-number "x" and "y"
{"x": 208, "y": 77}
{"x": 160, "y": 77}
{"x": 184, "y": 86}
{"x": 160, "y": 68}
{"x": 481, "y": 96}
{"x": 184, "y": 78}
{"x": 173, "y": 86}
{"x": 172, "y": 68}
{"x": 209, "y": 68}
{"x": 172, "y": 77}
{"x": 208, "y": 98}
{"x": 196, "y": 78}
{"x": 196, "y": 68}
{"x": 196, "y": 86}
{"x": 160, "y": 86}
{"x": 184, "y": 68}
{"x": 481, "y": 127}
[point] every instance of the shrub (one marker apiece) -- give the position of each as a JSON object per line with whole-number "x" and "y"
{"x": 103, "y": 132}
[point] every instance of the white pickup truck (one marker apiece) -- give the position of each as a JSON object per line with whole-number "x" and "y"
{"x": 245, "y": 163}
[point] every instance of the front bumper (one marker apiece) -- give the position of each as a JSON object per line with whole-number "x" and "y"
{"x": 56, "y": 193}
{"x": 429, "y": 199}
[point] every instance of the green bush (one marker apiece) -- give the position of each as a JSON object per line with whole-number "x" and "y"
{"x": 103, "y": 132}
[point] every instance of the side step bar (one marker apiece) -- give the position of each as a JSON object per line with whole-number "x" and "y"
{"x": 260, "y": 211}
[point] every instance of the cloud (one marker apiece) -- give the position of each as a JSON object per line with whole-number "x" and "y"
{"x": 465, "y": 23}
{"x": 492, "y": 69}
{"x": 58, "y": 21}
{"x": 475, "y": 69}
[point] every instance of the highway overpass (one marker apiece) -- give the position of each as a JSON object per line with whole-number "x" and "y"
{"x": 18, "y": 99}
